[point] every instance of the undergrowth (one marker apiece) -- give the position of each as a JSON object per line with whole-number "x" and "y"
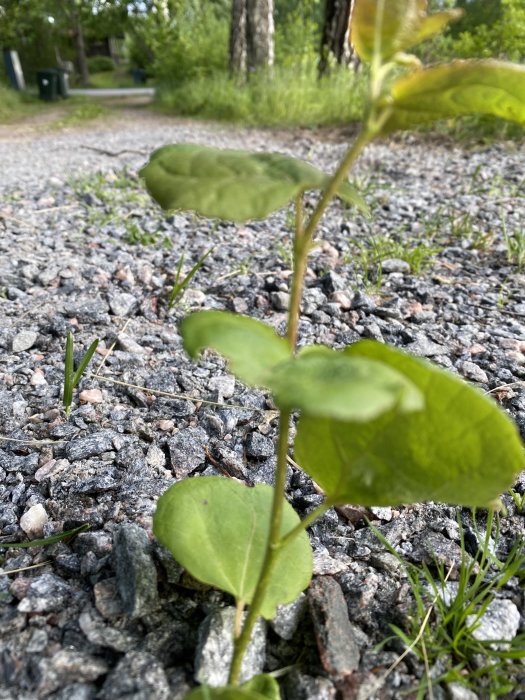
{"x": 286, "y": 97}
{"x": 447, "y": 609}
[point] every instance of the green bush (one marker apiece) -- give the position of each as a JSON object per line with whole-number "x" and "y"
{"x": 100, "y": 64}
{"x": 285, "y": 97}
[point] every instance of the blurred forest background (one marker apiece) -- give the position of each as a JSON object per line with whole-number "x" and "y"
{"x": 273, "y": 62}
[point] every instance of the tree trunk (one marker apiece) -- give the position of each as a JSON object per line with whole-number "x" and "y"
{"x": 335, "y": 36}
{"x": 80, "y": 49}
{"x": 238, "y": 38}
{"x": 259, "y": 34}
{"x": 251, "y": 35}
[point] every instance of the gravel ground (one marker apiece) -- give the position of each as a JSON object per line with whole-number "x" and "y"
{"x": 108, "y": 614}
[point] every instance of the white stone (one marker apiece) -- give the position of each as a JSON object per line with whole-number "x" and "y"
{"x": 33, "y": 520}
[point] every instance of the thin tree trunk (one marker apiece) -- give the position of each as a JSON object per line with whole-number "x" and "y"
{"x": 335, "y": 36}
{"x": 259, "y": 34}
{"x": 238, "y": 38}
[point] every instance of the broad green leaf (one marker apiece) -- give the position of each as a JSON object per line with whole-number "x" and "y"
{"x": 323, "y": 382}
{"x": 460, "y": 448}
{"x": 227, "y": 693}
{"x": 217, "y": 529}
{"x": 251, "y": 347}
{"x": 265, "y": 685}
{"x": 399, "y": 24}
{"x": 232, "y": 185}
{"x": 457, "y": 88}
{"x": 397, "y": 27}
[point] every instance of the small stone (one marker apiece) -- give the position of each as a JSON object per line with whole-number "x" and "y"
{"x": 280, "y": 300}
{"x": 288, "y": 617}
{"x": 155, "y": 457}
{"x": 38, "y": 642}
{"x": 103, "y": 635}
{"x": 127, "y": 344}
{"x": 500, "y": 621}
{"x": 135, "y": 570}
{"x": 138, "y": 675}
{"x": 33, "y": 520}
{"x": 382, "y": 512}
{"x": 66, "y": 664}
{"x": 300, "y": 686}
{"x": 457, "y": 691}
{"x": 224, "y": 386}
{"x": 24, "y": 341}
{"x": 122, "y": 304}
{"x": 215, "y": 649}
{"x": 107, "y": 599}
{"x": 38, "y": 378}
{"x": 395, "y": 265}
{"x": 259, "y": 446}
{"x": 186, "y": 450}
{"x": 335, "y": 638}
{"x": 422, "y": 346}
{"x": 343, "y": 299}
{"x": 324, "y": 564}
{"x": 472, "y": 371}
{"x": 90, "y": 396}
{"x": 46, "y": 593}
{"x": 165, "y": 425}
{"x": 90, "y": 446}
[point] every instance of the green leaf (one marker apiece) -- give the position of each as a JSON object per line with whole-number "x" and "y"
{"x": 460, "y": 448}
{"x": 84, "y": 362}
{"x": 232, "y": 185}
{"x": 217, "y": 529}
{"x": 397, "y": 27}
{"x": 227, "y": 693}
{"x": 457, "y": 88}
{"x": 323, "y": 382}
{"x": 251, "y": 347}
{"x": 402, "y": 24}
{"x": 265, "y": 685}
{"x": 435, "y": 23}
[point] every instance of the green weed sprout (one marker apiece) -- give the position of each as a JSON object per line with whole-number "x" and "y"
{"x": 456, "y": 612}
{"x": 72, "y": 378}
{"x": 180, "y": 284}
{"x": 376, "y": 426}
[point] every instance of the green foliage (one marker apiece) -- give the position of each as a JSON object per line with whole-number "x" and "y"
{"x": 451, "y": 612}
{"x": 228, "y": 552}
{"x": 234, "y": 185}
{"x": 252, "y": 348}
{"x": 403, "y": 457}
{"x": 323, "y": 383}
{"x": 180, "y": 284}
{"x": 72, "y": 377}
{"x": 376, "y": 426}
{"x": 100, "y": 64}
{"x": 290, "y": 96}
{"x": 181, "y": 42}
{"x": 454, "y": 89}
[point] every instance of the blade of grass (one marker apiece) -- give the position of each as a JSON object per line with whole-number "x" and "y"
{"x": 43, "y": 542}
{"x": 179, "y": 287}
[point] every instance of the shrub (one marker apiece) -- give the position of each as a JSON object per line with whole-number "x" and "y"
{"x": 100, "y": 64}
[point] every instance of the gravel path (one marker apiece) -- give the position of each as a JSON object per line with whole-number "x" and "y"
{"x": 108, "y": 614}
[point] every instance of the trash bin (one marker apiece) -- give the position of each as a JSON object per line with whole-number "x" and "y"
{"x": 62, "y": 82}
{"x": 47, "y": 81}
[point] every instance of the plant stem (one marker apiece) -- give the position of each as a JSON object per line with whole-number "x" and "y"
{"x": 302, "y": 241}
{"x": 307, "y": 521}
{"x": 272, "y": 551}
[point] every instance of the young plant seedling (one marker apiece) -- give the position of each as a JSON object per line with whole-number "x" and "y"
{"x": 180, "y": 284}
{"x": 376, "y": 426}
{"x": 72, "y": 378}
